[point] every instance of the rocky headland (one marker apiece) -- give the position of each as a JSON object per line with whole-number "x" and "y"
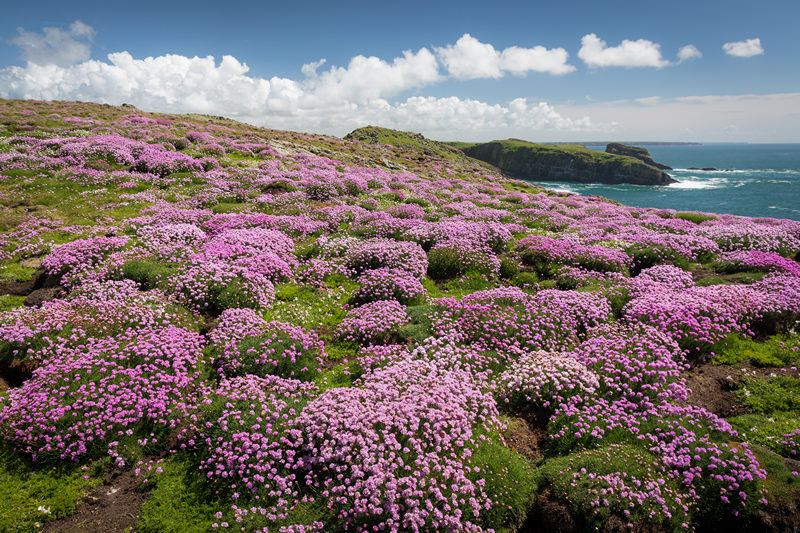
{"x": 573, "y": 163}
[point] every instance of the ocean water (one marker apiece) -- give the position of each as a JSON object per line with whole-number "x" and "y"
{"x": 755, "y": 180}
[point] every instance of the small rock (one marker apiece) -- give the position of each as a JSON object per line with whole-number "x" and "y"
{"x": 31, "y": 262}
{"x": 42, "y": 295}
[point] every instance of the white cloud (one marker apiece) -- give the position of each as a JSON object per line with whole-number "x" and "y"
{"x": 688, "y": 52}
{"x": 309, "y": 70}
{"x": 334, "y": 101}
{"x": 367, "y": 78}
{"x": 470, "y": 59}
{"x": 703, "y": 118}
{"x": 649, "y": 100}
{"x": 518, "y": 60}
{"x": 55, "y": 46}
{"x": 748, "y": 48}
{"x": 642, "y": 53}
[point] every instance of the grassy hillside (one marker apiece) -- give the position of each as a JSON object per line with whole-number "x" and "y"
{"x": 208, "y": 326}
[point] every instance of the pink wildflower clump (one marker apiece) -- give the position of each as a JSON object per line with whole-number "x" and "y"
{"x": 544, "y": 380}
{"x": 666, "y": 277}
{"x": 394, "y": 452}
{"x": 493, "y": 236}
{"x": 248, "y": 441}
{"x": 546, "y": 252}
{"x": 86, "y": 399}
{"x": 388, "y": 253}
{"x": 96, "y": 309}
{"x": 171, "y": 241}
{"x": 234, "y": 325}
{"x": 757, "y": 261}
{"x": 237, "y": 243}
{"x": 372, "y": 323}
{"x": 638, "y": 363}
{"x": 697, "y": 317}
{"x": 274, "y": 348}
{"x": 452, "y": 258}
{"x": 508, "y": 320}
{"x": 389, "y": 284}
{"x": 77, "y": 257}
{"x": 215, "y": 286}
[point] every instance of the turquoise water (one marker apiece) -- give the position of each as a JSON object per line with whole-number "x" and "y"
{"x": 756, "y": 180}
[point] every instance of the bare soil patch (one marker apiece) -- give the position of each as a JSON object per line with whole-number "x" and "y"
{"x": 112, "y": 508}
{"x": 713, "y": 386}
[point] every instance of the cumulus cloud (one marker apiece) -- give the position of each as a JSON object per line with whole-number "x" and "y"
{"x": 367, "y": 78}
{"x": 688, "y": 52}
{"x": 469, "y": 59}
{"x": 642, "y": 53}
{"x": 748, "y": 48}
{"x": 55, "y": 46}
{"x": 334, "y": 101}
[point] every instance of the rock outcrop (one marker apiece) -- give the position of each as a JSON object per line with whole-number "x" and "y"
{"x": 572, "y": 163}
{"x": 634, "y": 151}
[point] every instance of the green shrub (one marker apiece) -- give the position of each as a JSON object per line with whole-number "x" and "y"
{"x": 697, "y": 218}
{"x": 508, "y": 268}
{"x": 509, "y": 484}
{"x": 148, "y": 274}
{"x": 582, "y": 482}
{"x": 522, "y": 279}
{"x": 710, "y": 280}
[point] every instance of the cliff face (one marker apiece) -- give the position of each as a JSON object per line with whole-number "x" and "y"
{"x": 634, "y": 151}
{"x": 572, "y": 163}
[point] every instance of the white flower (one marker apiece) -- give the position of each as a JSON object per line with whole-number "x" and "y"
{"x": 44, "y": 510}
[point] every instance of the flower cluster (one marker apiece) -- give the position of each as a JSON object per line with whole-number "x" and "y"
{"x": 546, "y": 251}
{"x": 452, "y": 258}
{"x": 388, "y": 284}
{"x": 542, "y": 380}
{"x": 88, "y": 398}
{"x": 394, "y": 452}
{"x": 215, "y": 286}
{"x": 373, "y": 323}
{"x": 378, "y": 253}
{"x": 274, "y": 348}
{"x": 756, "y": 261}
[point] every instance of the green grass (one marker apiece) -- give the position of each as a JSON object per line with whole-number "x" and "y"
{"x": 26, "y": 487}
{"x": 309, "y": 307}
{"x": 776, "y": 351}
{"x": 783, "y": 487}
{"x": 697, "y": 218}
{"x": 8, "y": 302}
{"x": 13, "y": 271}
{"x": 770, "y": 395}
{"x": 765, "y": 430}
{"x": 175, "y": 503}
{"x": 509, "y": 484}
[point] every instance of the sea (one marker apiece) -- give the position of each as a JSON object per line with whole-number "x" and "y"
{"x": 754, "y": 180}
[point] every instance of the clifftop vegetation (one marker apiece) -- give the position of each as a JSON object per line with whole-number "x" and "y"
{"x": 211, "y": 326}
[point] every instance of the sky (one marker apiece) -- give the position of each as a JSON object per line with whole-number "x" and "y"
{"x": 703, "y": 71}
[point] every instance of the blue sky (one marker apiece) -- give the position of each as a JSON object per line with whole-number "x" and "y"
{"x": 700, "y": 71}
